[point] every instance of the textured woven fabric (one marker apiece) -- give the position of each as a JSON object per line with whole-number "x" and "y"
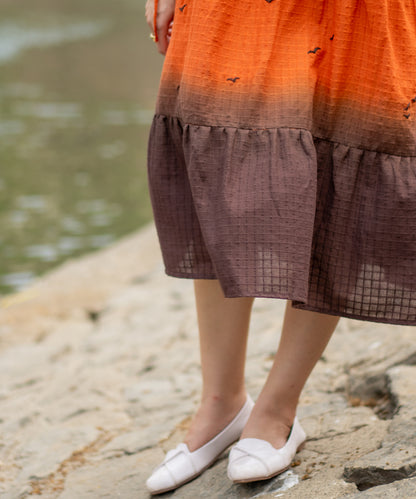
{"x": 282, "y": 156}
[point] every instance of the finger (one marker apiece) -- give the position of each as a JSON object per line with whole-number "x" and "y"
{"x": 149, "y": 13}
{"x": 162, "y": 43}
{"x": 163, "y": 34}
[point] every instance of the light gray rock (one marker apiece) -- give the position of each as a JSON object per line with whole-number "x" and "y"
{"x": 321, "y": 485}
{"x": 214, "y": 483}
{"x": 403, "y": 489}
{"x": 140, "y": 439}
{"x": 370, "y": 381}
{"x": 117, "y": 477}
{"x": 110, "y": 373}
{"x": 44, "y": 452}
{"x": 402, "y": 386}
{"x": 388, "y": 464}
{"x": 152, "y": 393}
{"x": 394, "y": 460}
{"x": 367, "y": 389}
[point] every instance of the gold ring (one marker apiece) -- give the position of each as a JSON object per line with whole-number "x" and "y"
{"x": 152, "y": 36}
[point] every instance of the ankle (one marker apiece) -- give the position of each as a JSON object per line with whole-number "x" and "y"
{"x": 268, "y": 427}
{"x": 212, "y": 416}
{"x": 270, "y": 422}
{"x": 279, "y": 407}
{"x": 282, "y": 415}
{"x": 224, "y": 402}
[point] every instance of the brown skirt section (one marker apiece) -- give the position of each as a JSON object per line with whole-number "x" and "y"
{"x": 278, "y": 213}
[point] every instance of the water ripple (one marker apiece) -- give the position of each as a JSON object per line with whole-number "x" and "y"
{"x": 14, "y": 39}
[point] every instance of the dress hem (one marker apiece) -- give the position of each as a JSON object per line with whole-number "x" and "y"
{"x": 296, "y": 303}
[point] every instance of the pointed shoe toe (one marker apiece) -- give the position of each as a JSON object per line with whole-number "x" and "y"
{"x": 161, "y": 480}
{"x": 181, "y": 465}
{"x": 252, "y": 459}
{"x": 176, "y": 467}
{"x": 241, "y": 462}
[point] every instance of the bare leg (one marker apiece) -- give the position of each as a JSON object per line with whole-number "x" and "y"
{"x": 304, "y": 338}
{"x": 223, "y": 327}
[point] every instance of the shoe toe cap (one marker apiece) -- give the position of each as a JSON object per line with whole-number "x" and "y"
{"x": 246, "y": 468}
{"x": 160, "y": 480}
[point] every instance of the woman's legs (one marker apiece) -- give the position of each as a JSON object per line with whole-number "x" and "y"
{"x": 223, "y": 328}
{"x": 304, "y": 337}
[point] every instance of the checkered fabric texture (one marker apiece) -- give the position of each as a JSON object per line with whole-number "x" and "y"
{"x": 282, "y": 156}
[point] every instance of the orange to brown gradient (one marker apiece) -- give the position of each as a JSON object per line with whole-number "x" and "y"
{"x": 343, "y": 69}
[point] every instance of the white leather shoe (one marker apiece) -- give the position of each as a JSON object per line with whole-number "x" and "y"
{"x": 253, "y": 459}
{"x": 180, "y": 465}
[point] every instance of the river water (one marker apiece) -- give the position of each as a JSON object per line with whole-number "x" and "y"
{"x": 78, "y": 81}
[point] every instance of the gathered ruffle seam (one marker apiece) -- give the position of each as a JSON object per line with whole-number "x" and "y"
{"x": 314, "y": 136}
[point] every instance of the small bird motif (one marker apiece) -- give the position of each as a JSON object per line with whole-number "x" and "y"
{"x": 315, "y": 50}
{"x": 407, "y": 107}
{"x": 414, "y": 99}
{"x": 183, "y": 7}
{"x": 332, "y": 37}
{"x": 407, "y": 116}
{"x": 269, "y": 1}
{"x": 233, "y": 79}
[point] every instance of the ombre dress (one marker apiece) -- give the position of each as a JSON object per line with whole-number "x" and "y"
{"x": 282, "y": 156}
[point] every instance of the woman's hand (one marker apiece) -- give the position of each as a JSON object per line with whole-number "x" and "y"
{"x": 165, "y": 13}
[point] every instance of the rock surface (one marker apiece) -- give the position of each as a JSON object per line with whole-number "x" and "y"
{"x": 100, "y": 374}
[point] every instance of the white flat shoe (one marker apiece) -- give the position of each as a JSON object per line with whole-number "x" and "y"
{"x": 181, "y": 466}
{"x": 252, "y": 459}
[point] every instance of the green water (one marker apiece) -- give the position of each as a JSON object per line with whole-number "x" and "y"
{"x": 78, "y": 81}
